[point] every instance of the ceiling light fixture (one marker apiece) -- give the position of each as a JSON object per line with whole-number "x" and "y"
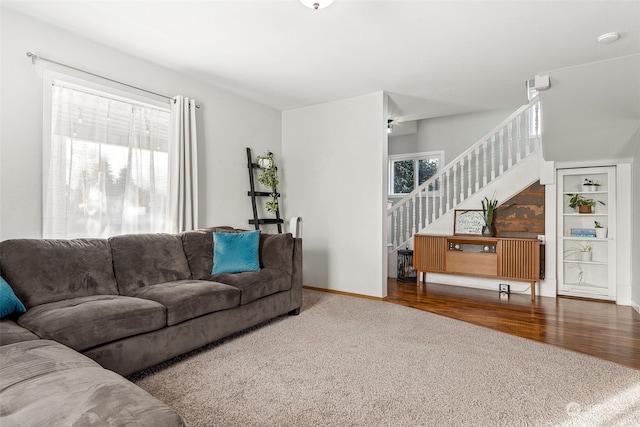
{"x": 608, "y": 38}
{"x": 316, "y": 4}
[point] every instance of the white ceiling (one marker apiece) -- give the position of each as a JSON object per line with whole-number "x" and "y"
{"x": 433, "y": 57}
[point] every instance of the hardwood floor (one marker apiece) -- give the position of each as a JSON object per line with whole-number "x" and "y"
{"x": 601, "y": 329}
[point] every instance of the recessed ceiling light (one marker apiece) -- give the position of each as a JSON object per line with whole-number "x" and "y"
{"x": 608, "y": 38}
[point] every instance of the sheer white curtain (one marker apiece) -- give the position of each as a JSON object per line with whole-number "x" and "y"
{"x": 108, "y": 165}
{"x": 183, "y": 152}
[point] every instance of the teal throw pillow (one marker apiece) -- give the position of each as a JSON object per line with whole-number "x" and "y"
{"x": 9, "y": 302}
{"x": 236, "y": 252}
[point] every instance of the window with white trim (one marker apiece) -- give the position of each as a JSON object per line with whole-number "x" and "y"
{"x": 106, "y": 162}
{"x": 408, "y": 171}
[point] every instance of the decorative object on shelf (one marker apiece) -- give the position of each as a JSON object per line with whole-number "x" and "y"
{"x": 265, "y": 162}
{"x": 269, "y": 178}
{"x": 583, "y": 252}
{"x": 583, "y": 204}
{"x": 489, "y": 207}
{"x": 590, "y": 185}
{"x": 468, "y": 222}
{"x": 580, "y": 274}
{"x": 601, "y": 232}
{"x": 583, "y": 232}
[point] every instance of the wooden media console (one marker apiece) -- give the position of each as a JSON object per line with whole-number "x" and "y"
{"x": 489, "y": 257}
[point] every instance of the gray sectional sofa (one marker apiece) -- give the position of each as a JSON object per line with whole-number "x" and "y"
{"x": 128, "y": 302}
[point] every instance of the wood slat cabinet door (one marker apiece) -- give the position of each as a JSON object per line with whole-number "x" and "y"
{"x": 429, "y": 253}
{"x": 519, "y": 259}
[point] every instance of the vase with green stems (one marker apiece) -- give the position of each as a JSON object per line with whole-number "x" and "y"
{"x": 489, "y": 207}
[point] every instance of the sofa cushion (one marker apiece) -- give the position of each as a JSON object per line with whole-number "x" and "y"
{"x": 256, "y": 284}
{"x": 9, "y": 302}
{"x": 187, "y": 299}
{"x": 43, "y": 383}
{"x": 11, "y": 332}
{"x": 276, "y": 251}
{"x": 86, "y": 322}
{"x": 41, "y": 271}
{"x": 198, "y": 248}
{"x": 236, "y": 252}
{"x": 147, "y": 259}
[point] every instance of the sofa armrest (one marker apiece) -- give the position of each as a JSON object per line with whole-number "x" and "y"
{"x": 296, "y": 281}
{"x": 284, "y": 252}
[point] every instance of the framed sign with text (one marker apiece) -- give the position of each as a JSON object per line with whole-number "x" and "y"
{"x": 468, "y": 222}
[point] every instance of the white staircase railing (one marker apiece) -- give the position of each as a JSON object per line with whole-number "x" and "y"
{"x": 514, "y": 139}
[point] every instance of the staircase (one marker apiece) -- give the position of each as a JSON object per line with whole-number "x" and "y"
{"x": 515, "y": 139}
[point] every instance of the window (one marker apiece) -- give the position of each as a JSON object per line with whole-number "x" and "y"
{"x": 408, "y": 171}
{"x": 106, "y": 165}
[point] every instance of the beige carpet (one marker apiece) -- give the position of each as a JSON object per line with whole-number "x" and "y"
{"x": 348, "y": 361}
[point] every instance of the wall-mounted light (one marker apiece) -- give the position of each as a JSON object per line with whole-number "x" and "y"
{"x": 389, "y": 126}
{"x": 316, "y": 4}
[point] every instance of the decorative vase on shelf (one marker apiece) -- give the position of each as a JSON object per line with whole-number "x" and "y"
{"x": 601, "y": 232}
{"x": 265, "y": 163}
{"x": 488, "y": 231}
{"x": 585, "y": 256}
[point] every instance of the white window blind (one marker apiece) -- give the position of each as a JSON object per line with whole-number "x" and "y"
{"x": 107, "y": 165}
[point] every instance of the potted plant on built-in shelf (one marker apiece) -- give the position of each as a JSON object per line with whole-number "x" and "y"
{"x": 580, "y": 252}
{"x": 269, "y": 178}
{"x": 601, "y": 232}
{"x": 590, "y": 185}
{"x": 583, "y": 204}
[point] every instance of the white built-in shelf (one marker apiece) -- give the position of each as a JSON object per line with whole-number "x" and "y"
{"x": 596, "y": 278}
{"x": 585, "y": 284}
{"x": 585, "y": 192}
{"x": 575, "y": 261}
{"x": 591, "y": 239}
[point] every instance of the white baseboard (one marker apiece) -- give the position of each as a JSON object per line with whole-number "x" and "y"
{"x": 635, "y": 306}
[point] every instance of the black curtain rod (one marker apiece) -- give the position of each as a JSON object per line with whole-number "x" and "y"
{"x": 35, "y": 57}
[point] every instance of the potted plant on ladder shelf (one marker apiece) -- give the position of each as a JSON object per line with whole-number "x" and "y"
{"x": 269, "y": 178}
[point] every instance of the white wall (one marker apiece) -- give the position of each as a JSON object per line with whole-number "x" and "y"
{"x": 591, "y": 112}
{"x": 635, "y": 232}
{"x": 334, "y": 170}
{"x": 403, "y": 144}
{"x": 624, "y": 223}
{"x": 227, "y": 124}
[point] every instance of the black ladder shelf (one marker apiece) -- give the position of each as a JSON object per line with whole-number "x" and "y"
{"x": 253, "y": 194}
